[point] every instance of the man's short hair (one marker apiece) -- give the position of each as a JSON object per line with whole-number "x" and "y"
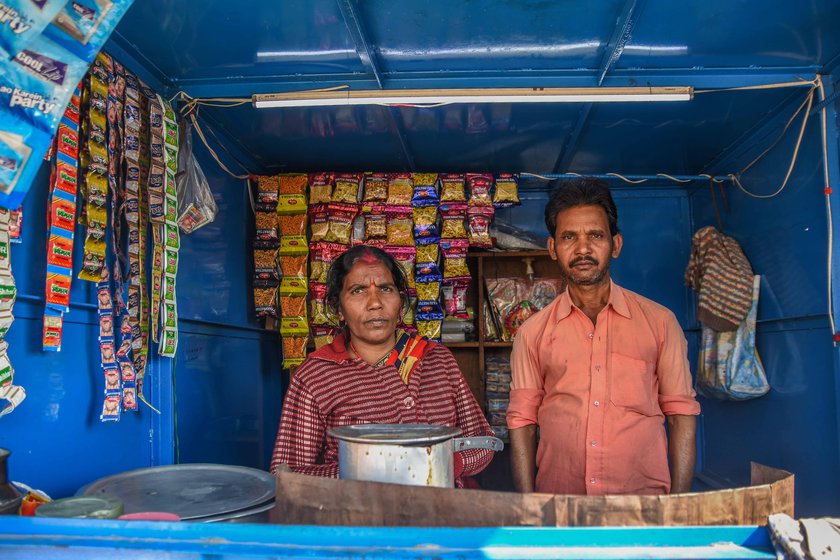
{"x": 585, "y": 191}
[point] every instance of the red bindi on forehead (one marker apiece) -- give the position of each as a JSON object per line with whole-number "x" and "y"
{"x": 369, "y": 258}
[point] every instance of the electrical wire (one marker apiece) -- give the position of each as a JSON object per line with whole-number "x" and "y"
{"x": 830, "y": 221}
{"x": 737, "y": 181}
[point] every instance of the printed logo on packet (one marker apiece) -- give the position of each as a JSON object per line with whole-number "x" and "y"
{"x": 60, "y": 251}
{"x": 42, "y": 66}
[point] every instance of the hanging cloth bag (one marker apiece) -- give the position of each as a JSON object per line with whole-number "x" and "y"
{"x": 729, "y": 367}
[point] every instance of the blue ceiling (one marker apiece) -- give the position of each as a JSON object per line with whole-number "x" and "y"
{"x": 210, "y": 48}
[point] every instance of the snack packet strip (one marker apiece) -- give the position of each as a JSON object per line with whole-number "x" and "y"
{"x": 376, "y": 187}
{"x": 95, "y": 177}
{"x": 506, "y": 193}
{"x": 107, "y": 350}
{"x": 61, "y": 225}
{"x": 169, "y": 336}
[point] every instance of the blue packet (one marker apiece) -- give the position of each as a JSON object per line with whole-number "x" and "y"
{"x": 83, "y": 26}
{"x": 428, "y": 310}
{"x": 37, "y": 84}
{"x": 23, "y": 20}
{"x": 22, "y": 150}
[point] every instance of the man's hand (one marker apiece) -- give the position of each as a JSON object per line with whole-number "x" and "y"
{"x": 682, "y": 451}
{"x": 523, "y": 457}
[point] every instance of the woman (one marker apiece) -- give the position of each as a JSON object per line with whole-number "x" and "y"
{"x": 373, "y": 373}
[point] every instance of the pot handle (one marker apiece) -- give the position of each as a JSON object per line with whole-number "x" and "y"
{"x": 482, "y": 442}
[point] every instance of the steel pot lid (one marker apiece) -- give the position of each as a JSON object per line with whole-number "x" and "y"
{"x": 395, "y": 434}
{"x": 190, "y": 491}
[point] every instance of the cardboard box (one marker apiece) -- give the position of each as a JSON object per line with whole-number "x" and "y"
{"x": 308, "y": 500}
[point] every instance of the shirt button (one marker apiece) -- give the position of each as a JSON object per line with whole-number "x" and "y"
{"x": 598, "y": 368}
{"x": 591, "y": 481}
{"x": 597, "y": 403}
{"x": 593, "y": 443}
{"x": 408, "y": 403}
{"x": 591, "y": 335}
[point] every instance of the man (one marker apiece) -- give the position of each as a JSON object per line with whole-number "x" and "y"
{"x": 598, "y": 370}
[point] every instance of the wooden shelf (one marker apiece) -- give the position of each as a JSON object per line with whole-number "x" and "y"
{"x": 465, "y": 344}
{"x": 498, "y": 344}
{"x": 507, "y": 254}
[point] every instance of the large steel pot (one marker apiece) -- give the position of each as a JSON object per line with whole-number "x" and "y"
{"x": 413, "y": 454}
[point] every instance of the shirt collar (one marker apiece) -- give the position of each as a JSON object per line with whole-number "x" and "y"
{"x": 335, "y": 351}
{"x": 617, "y": 301}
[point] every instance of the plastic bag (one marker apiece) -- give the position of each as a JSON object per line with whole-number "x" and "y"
{"x": 729, "y": 367}
{"x": 196, "y": 205}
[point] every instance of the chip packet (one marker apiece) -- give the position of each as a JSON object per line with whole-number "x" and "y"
{"x": 21, "y": 21}
{"x": 376, "y": 187}
{"x": 506, "y": 193}
{"x": 480, "y": 185}
{"x": 83, "y": 26}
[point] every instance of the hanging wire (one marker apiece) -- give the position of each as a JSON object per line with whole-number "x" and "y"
{"x": 830, "y": 220}
{"x": 808, "y": 102}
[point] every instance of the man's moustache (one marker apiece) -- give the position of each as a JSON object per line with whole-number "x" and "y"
{"x": 579, "y": 260}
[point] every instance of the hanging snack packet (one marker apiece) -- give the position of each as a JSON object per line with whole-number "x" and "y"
{"x": 319, "y": 313}
{"x": 400, "y": 189}
{"x": 295, "y": 333}
{"x": 21, "y": 21}
{"x": 425, "y": 189}
{"x": 478, "y": 220}
{"x": 405, "y": 258}
{"x": 376, "y": 187}
{"x": 293, "y": 265}
{"x": 320, "y": 188}
{"x": 410, "y": 311}
{"x": 455, "y": 297}
{"x": 452, "y": 225}
{"x": 428, "y": 287}
{"x": 291, "y": 204}
{"x": 21, "y": 150}
{"x": 267, "y": 193}
{"x": 480, "y": 185}
{"x": 265, "y": 269}
{"x": 292, "y": 183}
{"x": 455, "y": 258}
{"x": 452, "y": 188}
{"x": 376, "y": 224}
{"x": 265, "y": 302}
{"x": 83, "y": 26}
{"x": 293, "y": 245}
{"x": 319, "y": 221}
{"x": 321, "y": 336}
{"x": 427, "y": 268}
{"x": 425, "y": 222}
{"x": 292, "y": 224}
{"x": 323, "y": 255}
{"x": 38, "y": 82}
{"x": 340, "y": 226}
{"x": 293, "y": 292}
{"x": 267, "y": 236}
{"x": 428, "y": 250}
{"x": 400, "y": 226}
{"x": 507, "y": 190}
{"x": 347, "y": 187}
{"x": 429, "y": 323}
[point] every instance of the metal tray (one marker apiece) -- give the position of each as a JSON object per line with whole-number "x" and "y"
{"x": 191, "y": 491}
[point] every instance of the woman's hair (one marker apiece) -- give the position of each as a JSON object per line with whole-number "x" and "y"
{"x": 580, "y": 192}
{"x": 341, "y": 268}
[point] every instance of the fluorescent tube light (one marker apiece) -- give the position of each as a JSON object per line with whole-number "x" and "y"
{"x": 322, "y": 98}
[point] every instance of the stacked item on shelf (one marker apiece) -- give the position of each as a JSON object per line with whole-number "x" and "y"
{"x": 497, "y": 393}
{"x": 292, "y": 255}
{"x": 513, "y": 300}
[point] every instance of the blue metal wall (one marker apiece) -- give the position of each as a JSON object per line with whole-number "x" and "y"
{"x": 227, "y": 371}
{"x": 794, "y": 427}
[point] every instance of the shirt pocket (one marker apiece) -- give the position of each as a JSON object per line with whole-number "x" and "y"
{"x": 632, "y": 384}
